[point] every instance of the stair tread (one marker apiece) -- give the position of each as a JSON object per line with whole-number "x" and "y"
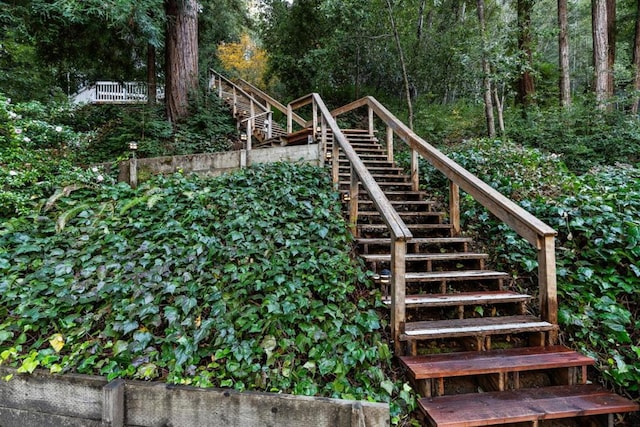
{"x": 432, "y": 329}
{"x": 427, "y": 276}
{"x": 462, "y": 298}
{"x": 493, "y": 361}
{"x": 428, "y": 256}
{"x": 404, "y": 213}
{"x": 420, "y": 240}
{"x": 410, "y": 226}
{"x": 502, "y": 407}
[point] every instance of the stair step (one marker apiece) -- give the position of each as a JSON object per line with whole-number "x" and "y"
{"x": 453, "y": 256}
{"x": 524, "y": 405}
{"x": 400, "y": 203}
{"x": 345, "y": 184}
{"x": 463, "y": 298}
{"x": 449, "y": 276}
{"x": 412, "y": 227}
{"x": 493, "y": 361}
{"x": 417, "y": 240}
{"x": 479, "y": 326}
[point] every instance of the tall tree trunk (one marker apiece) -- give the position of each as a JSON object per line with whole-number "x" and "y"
{"x": 563, "y": 54}
{"x": 152, "y": 83}
{"x": 405, "y": 76}
{"x": 526, "y": 87}
{"x": 182, "y": 56}
{"x": 611, "y": 51}
{"x": 486, "y": 70}
{"x": 636, "y": 60}
{"x": 600, "y": 50}
{"x": 420, "y": 23}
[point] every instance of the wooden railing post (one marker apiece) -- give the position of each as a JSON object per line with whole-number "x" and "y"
{"x": 235, "y": 101}
{"x": 547, "y": 282}
{"x": 323, "y": 140}
{"x": 269, "y": 124}
{"x": 335, "y": 164}
{"x": 354, "y": 189}
{"x": 220, "y": 87}
{"x": 415, "y": 175}
{"x": 370, "y": 111}
{"x": 389, "y": 143}
{"x": 398, "y": 292}
{"x": 289, "y": 119}
{"x": 249, "y": 132}
{"x": 314, "y": 120}
{"x": 454, "y": 208}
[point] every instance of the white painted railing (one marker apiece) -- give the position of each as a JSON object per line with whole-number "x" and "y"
{"x": 106, "y": 92}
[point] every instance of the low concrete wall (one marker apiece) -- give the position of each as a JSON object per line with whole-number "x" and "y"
{"x": 214, "y": 164}
{"x": 45, "y": 400}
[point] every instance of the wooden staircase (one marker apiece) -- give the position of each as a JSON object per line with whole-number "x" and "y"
{"x": 473, "y": 349}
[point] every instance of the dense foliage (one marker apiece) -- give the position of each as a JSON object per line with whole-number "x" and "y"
{"x": 598, "y": 245}
{"x": 196, "y": 281}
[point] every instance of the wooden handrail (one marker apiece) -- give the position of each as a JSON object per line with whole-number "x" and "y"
{"x": 536, "y": 232}
{"x": 270, "y": 100}
{"x": 399, "y": 231}
{"x": 263, "y": 107}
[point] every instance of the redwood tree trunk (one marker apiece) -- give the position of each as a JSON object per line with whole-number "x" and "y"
{"x": 600, "y": 50}
{"x": 486, "y": 70}
{"x": 152, "y": 83}
{"x": 611, "y": 51}
{"x": 526, "y": 87}
{"x": 563, "y": 54}
{"x": 181, "y": 56}
{"x": 636, "y": 59}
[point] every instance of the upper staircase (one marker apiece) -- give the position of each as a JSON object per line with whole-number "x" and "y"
{"x": 479, "y": 352}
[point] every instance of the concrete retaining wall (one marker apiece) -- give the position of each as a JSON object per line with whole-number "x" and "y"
{"x": 214, "y": 164}
{"x": 41, "y": 399}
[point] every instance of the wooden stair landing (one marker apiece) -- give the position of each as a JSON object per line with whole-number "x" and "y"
{"x": 524, "y": 405}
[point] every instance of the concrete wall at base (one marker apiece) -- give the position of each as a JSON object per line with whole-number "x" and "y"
{"x": 213, "y": 164}
{"x": 81, "y": 400}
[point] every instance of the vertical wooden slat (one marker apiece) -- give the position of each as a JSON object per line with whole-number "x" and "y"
{"x": 289, "y": 119}
{"x": 354, "y": 189}
{"x": 371, "y": 127}
{"x": 335, "y": 164}
{"x": 314, "y": 120}
{"x": 235, "y": 101}
{"x": 323, "y": 141}
{"x": 454, "y": 208}
{"x": 249, "y": 134}
{"x": 547, "y": 283}
{"x": 398, "y": 291}
{"x": 415, "y": 177}
{"x": 390, "y": 144}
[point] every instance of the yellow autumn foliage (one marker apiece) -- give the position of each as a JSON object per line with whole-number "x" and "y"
{"x": 245, "y": 59}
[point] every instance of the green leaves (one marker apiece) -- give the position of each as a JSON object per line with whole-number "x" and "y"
{"x": 243, "y": 280}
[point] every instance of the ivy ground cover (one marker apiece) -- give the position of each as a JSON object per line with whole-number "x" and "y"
{"x": 240, "y": 281}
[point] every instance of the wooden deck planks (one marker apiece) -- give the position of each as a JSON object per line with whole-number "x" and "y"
{"x": 496, "y": 408}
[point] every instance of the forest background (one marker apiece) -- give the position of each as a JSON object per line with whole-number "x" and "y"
{"x": 538, "y": 98}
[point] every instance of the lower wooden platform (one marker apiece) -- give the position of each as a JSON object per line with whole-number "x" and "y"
{"x": 524, "y": 405}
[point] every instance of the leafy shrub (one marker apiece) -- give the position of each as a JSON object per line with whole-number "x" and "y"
{"x": 597, "y": 248}
{"x": 198, "y": 281}
{"x": 583, "y": 135}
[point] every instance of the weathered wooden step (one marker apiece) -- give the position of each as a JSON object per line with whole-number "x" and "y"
{"x": 345, "y": 177}
{"x": 494, "y": 361}
{"x": 524, "y": 405}
{"x": 480, "y": 326}
{"x": 416, "y": 240}
{"x": 398, "y": 204}
{"x": 449, "y": 276}
{"x": 455, "y": 256}
{"x": 412, "y": 227}
{"x": 461, "y": 299}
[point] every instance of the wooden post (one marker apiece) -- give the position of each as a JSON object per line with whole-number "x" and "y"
{"x": 335, "y": 164}
{"x": 220, "y": 86}
{"x": 113, "y": 403}
{"x": 269, "y": 124}
{"x": 323, "y": 140}
{"x": 547, "y": 282}
{"x": 289, "y": 119}
{"x": 398, "y": 292}
{"x": 133, "y": 172}
{"x": 235, "y": 100}
{"x": 390, "y": 144}
{"x": 314, "y": 120}
{"x": 454, "y": 208}
{"x": 415, "y": 177}
{"x": 370, "y": 111}
{"x": 249, "y": 132}
{"x": 354, "y": 189}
